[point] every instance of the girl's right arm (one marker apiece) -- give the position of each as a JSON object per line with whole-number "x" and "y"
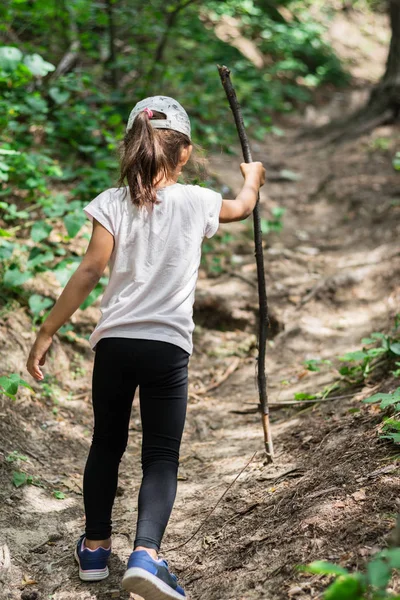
{"x": 243, "y": 206}
{"x": 76, "y": 291}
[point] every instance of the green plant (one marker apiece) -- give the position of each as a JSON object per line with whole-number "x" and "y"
{"x": 362, "y": 362}
{"x": 276, "y": 223}
{"x": 396, "y": 161}
{"x": 59, "y": 495}
{"x": 371, "y": 585}
{"x": 380, "y": 143}
{"x": 391, "y": 425}
{"x": 15, "y": 455}
{"x": 9, "y": 385}
{"x": 315, "y": 364}
{"x": 19, "y": 478}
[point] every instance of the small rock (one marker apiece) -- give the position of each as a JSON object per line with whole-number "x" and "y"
{"x": 295, "y": 590}
{"x": 359, "y": 496}
{"x": 308, "y": 250}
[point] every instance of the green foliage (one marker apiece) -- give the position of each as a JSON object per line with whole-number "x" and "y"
{"x": 391, "y": 425}
{"x": 59, "y": 495}
{"x": 396, "y": 161}
{"x": 9, "y": 385}
{"x": 362, "y": 362}
{"x": 315, "y": 364}
{"x": 15, "y": 456}
{"x": 276, "y": 223}
{"x": 19, "y": 478}
{"x": 360, "y": 586}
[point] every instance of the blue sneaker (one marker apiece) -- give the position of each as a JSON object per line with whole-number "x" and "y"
{"x": 151, "y": 578}
{"x": 92, "y": 563}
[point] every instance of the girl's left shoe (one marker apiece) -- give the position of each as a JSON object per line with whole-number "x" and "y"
{"x": 92, "y": 563}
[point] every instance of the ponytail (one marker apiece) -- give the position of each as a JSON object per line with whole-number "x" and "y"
{"x": 148, "y": 155}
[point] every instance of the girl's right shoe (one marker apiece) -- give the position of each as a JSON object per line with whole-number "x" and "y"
{"x": 151, "y": 578}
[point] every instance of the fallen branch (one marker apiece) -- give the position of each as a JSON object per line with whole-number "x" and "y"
{"x": 254, "y": 410}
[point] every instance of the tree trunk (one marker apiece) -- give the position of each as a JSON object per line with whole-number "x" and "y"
{"x": 112, "y": 61}
{"x": 386, "y": 95}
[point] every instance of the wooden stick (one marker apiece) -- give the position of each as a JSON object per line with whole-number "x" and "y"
{"x": 263, "y": 319}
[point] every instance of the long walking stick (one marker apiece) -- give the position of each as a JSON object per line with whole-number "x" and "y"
{"x": 263, "y": 320}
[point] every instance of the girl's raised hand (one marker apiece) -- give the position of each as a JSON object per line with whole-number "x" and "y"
{"x": 37, "y": 355}
{"x": 253, "y": 169}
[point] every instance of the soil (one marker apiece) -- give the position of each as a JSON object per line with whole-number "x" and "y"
{"x": 333, "y": 278}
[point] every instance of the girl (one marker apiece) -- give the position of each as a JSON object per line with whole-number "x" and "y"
{"x": 151, "y": 233}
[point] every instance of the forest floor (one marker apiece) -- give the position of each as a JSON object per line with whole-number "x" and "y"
{"x": 333, "y": 278}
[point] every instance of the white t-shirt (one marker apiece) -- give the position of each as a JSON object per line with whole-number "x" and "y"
{"x": 155, "y": 262}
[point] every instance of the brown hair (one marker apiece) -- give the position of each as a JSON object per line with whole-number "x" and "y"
{"x": 147, "y": 156}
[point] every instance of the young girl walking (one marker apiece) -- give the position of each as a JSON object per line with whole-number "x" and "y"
{"x": 150, "y": 231}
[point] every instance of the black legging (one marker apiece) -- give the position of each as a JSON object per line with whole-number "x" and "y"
{"x": 160, "y": 370}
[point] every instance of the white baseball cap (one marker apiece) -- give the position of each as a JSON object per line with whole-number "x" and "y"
{"x": 176, "y": 116}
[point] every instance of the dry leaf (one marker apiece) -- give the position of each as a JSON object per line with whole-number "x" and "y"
{"x": 28, "y": 580}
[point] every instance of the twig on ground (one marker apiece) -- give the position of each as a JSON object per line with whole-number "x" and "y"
{"x": 212, "y": 386}
{"x": 232, "y": 273}
{"x": 214, "y": 507}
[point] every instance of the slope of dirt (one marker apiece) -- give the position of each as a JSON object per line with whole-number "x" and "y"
{"x": 333, "y": 277}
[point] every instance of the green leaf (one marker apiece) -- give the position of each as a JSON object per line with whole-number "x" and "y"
{"x": 379, "y": 573}
{"x": 393, "y": 556}
{"x": 59, "y": 96}
{"x": 393, "y": 437}
{"x": 58, "y": 495}
{"x": 385, "y": 399}
{"x": 350, "y": 356}
{"x": 396, "y": 161}
{"x": 9, "y": 58}
{"x": 39, "y": 258}
{"x": 14, "y": 456}
{"x": 395, "y": 348}
{"x": 73, "y": 224}
{"x": 40, "y": 231}
{"x": 322, "y": 567}
{"x": 302, "y": 396}
{"x": 37, "y": 65}
{"x": 346, "y": 587}
{"x": 9, "y": 383}
{"x": 14, "y": 278}
{"x": 38, "y": 304}
{"x": 19, "y": 478}
{"x": 4, "y": 233}
{"x": 6, "y": 151}
{"x": 373, "y": 352}
{"x": 392, "y": 424}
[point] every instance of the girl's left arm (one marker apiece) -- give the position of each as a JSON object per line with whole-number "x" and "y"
{"x": 76, "y": 291}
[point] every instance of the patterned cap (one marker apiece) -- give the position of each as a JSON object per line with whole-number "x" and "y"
{"x": 176, "y": 116}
